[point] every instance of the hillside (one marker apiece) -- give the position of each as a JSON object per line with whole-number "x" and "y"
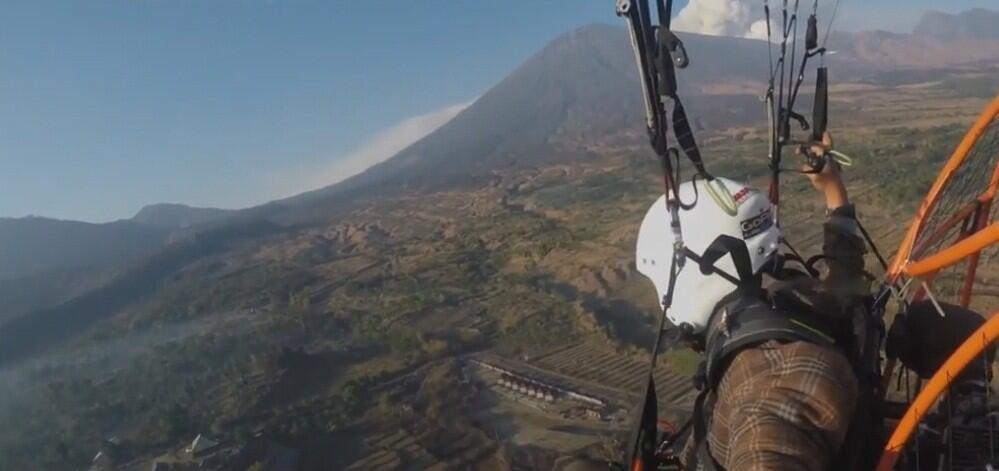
{"x": 569, "y": 103}
{"x": 575, "y": 93}
{"x": 351, "y": 324}
{"x": 30, "y": 293}
{"x": 176, "y": 216}
{"x": 568, "y": 100}
{"x": 579, "y": 94}
{"x": 44, "y": 262}
{"x": 977, "y": 23}
{"x": 353, "y": 341}
{"x": 39, "y": 330}
{"x": 938, "y": 40}
{"x": 35, "y": 245}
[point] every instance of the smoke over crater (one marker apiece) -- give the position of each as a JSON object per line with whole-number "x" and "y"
{"x": 733, "y": 18}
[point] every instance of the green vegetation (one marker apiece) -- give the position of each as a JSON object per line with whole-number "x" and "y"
{"x": 317, "y": 330}
{"x": 981, "y": 85}
{"x": 903, "y": 162}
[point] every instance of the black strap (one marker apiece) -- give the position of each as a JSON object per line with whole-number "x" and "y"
{"x": 739, "y": 324}
{"x": 642, "y": 453}
{"x": 701, "y": 459}
{"x": 685, "y": 137}
{"x": 874, "y": 247}
{"x": 748, "y": 321}
{"x": 644, "y": 435}
{"x": 711, "y": 267}
{"x": 726, "y": 244}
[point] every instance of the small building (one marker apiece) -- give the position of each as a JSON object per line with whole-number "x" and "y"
{"x": 102, "y": 461}
{"x": 107, "y": 457}
{"x": 202, "y": 446}
{"x": 584, "y": 412}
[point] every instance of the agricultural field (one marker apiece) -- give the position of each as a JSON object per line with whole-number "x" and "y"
{"x": 388, "y": 302}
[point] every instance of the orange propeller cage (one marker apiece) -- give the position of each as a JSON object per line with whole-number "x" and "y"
{"x": 971, "y": 349}
{"x": 902, "y": 263}
{"x": 969, "y": 247}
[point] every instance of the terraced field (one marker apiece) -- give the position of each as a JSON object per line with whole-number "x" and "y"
{"x": 388, "y": 451}
{"x": 596, "y": 366}
{"x": 401, "y": 451}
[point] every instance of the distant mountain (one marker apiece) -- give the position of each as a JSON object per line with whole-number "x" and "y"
{"x": 34, "y": 245}
{"x": 43, "y": 261}
{"x": 938, "y": 40}
{"x": 176, "y": 216}
{"x": 577, "y": 92}
{"x": 572, "y": 96}
{"x": 576, "y": 96}
{"x": 43, "y": 328}
{"x": 977, "y": 23}
{"x": 582, "y": 90}
{"x": 884, "y": 49}
{"x": 28, "y": 293}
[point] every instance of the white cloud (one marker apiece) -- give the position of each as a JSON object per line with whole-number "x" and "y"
{"x": 377, "y": 149}
{"x": 735, "y": 18}
{"x": 746, "y": 19}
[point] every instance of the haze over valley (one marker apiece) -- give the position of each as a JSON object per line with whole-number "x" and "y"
{"x": 388, "y": 321}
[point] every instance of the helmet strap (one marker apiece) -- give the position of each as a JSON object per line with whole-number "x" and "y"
{"x": 723, "y": 245}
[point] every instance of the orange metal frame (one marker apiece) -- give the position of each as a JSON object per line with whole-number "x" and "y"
{"x": 980, "y": 235}
{"x": 971, "y": 349}
{"x": 941, "y": 232}
{"x": 972, "y": 270}
{"x": 955, "y": 253}
{"x": 946, "y": 174}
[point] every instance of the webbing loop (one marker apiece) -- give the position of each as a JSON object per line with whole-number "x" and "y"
{"x": 721, "y": 195}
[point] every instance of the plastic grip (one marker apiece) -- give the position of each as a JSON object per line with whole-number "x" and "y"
{"x": 820, "y": 112}
{"x": 812, "y": 34}
{"x": 841, "y": 158}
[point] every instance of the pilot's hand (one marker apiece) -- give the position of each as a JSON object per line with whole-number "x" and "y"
{"x": 827, "y": 180}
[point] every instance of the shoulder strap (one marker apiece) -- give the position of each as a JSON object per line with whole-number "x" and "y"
{"x": 701, "y": 459}
{"x": 748, "y": 321}
{"x": 740, "y": 324}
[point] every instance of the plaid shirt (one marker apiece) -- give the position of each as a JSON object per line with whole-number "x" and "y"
{"x": 782, "y": 406}
{"x": 787, "y": 406}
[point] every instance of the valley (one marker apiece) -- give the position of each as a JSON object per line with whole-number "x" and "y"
{"x": 471, "y": 302}
{"x": 353, "y": 342}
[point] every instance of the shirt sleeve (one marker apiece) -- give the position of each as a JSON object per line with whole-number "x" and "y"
{"x": 843, "y": 248}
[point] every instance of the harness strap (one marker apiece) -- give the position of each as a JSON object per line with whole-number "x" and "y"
{"x": 746, "y": 322}
{"x": 742, "y": 323}
{"x": 702, "y": 459}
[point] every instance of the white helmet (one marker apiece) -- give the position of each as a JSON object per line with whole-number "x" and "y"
{"x": 696, "y": 294}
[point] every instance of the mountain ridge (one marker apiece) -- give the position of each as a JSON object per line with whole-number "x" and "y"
{"x": 977, "y": 23}
{"x": 861, "y": 55}
{"x": 176, "y": 216}
{"x": 864, "y": 56}
{"x": 36, "y": 245}
{"x": 577, "y": 93}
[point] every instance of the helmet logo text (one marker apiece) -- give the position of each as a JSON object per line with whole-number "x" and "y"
{"x": 756, "y": 224}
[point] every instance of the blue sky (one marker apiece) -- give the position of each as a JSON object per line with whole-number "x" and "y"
{"x": 106, "y": 106}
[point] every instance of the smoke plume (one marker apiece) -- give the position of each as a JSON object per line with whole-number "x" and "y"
{"x": 734, "y": 18}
